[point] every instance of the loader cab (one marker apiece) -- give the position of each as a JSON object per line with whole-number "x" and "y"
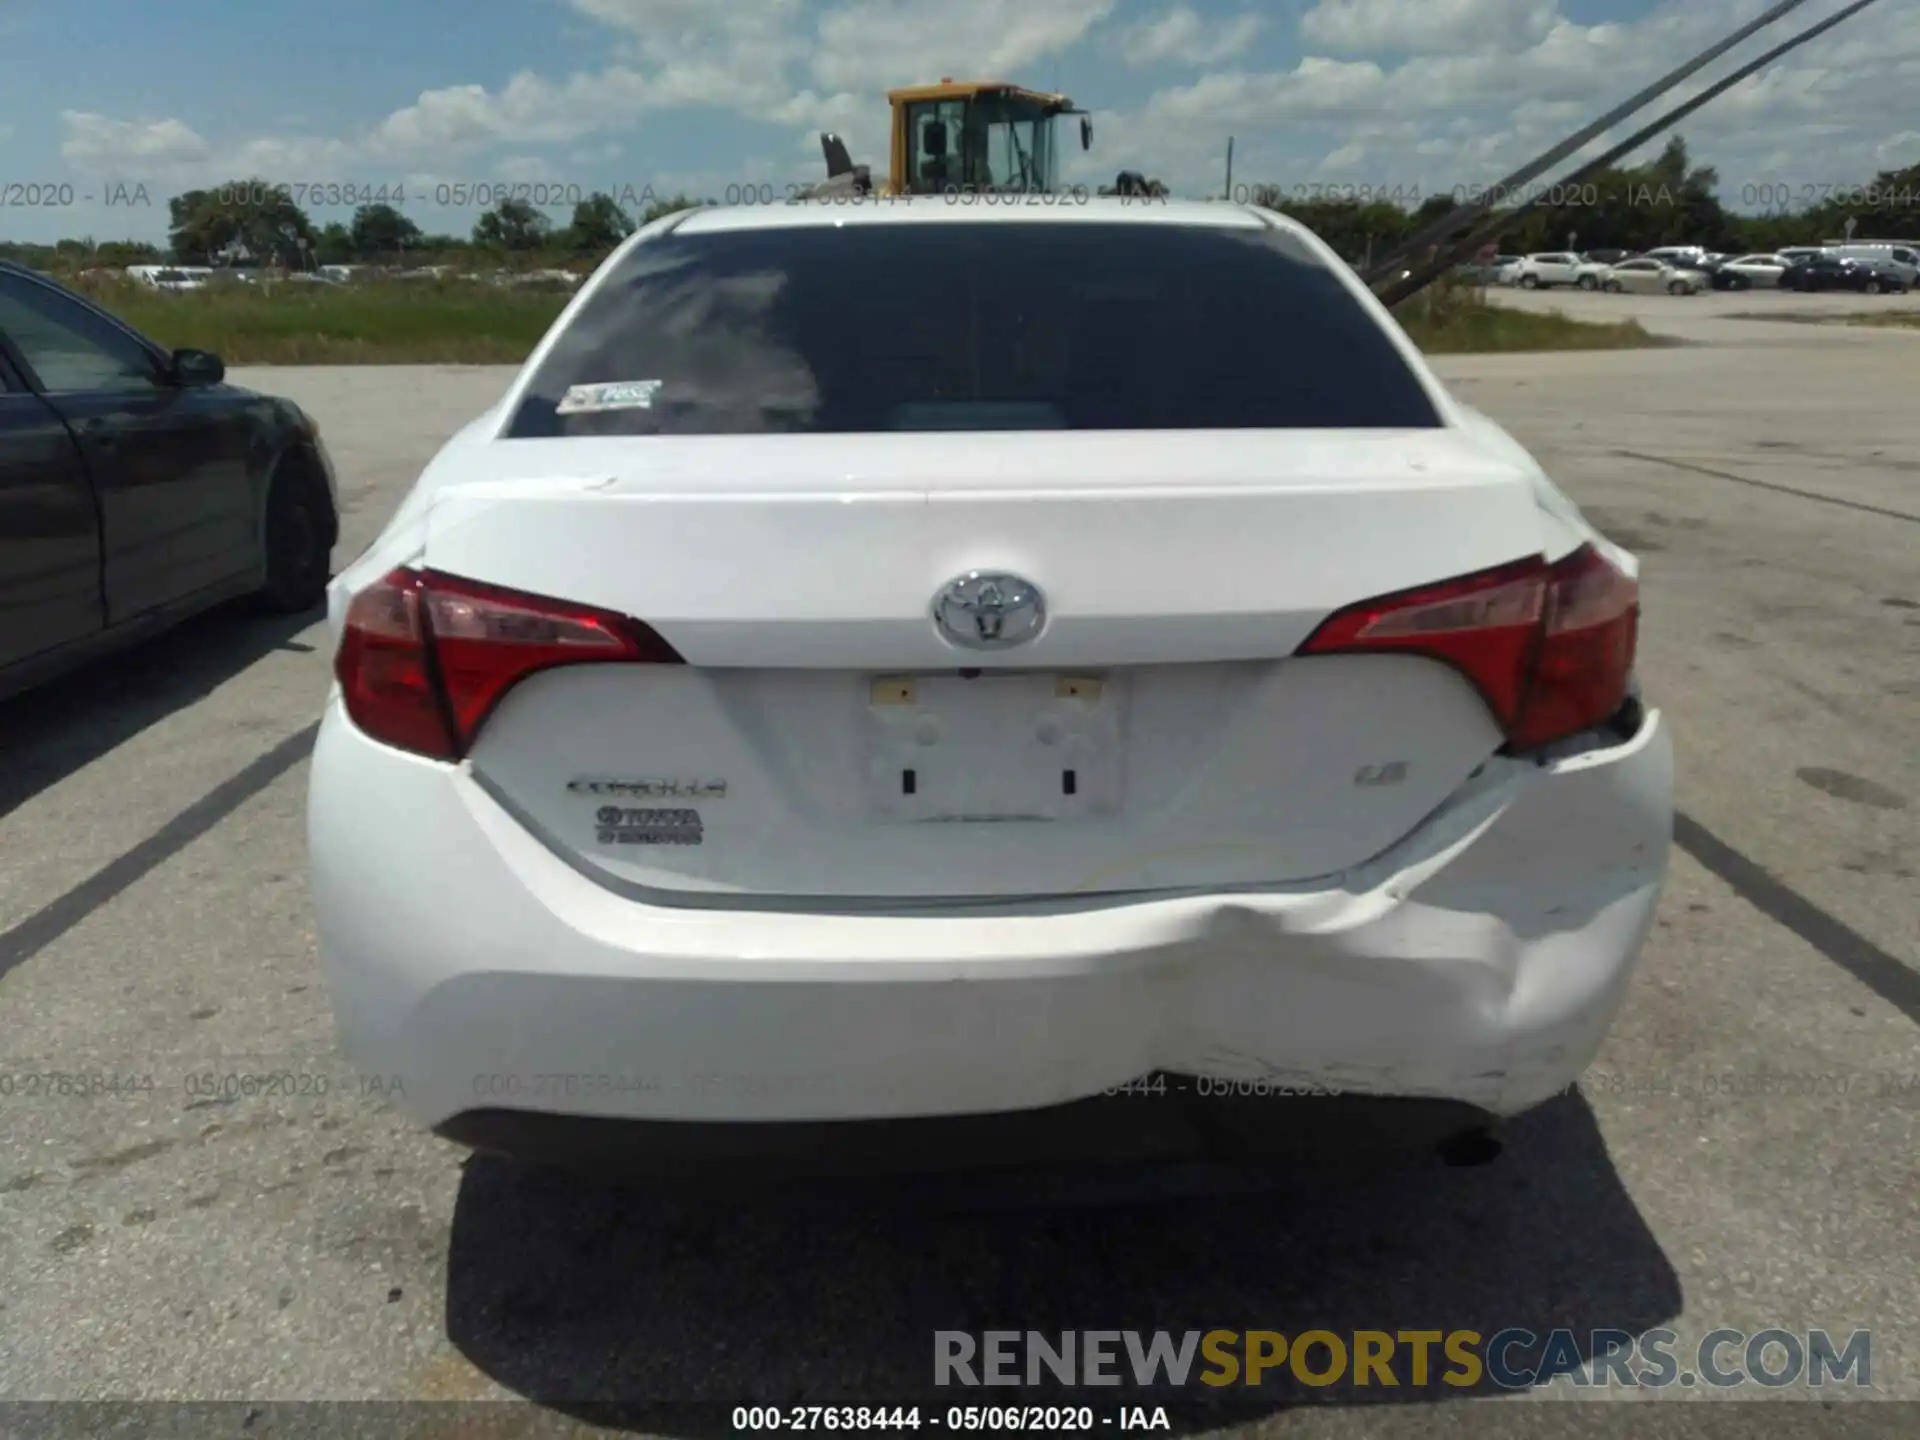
{"x": 974, "y": 136}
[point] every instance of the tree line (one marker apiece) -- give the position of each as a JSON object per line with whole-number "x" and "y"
{"x": 254, "y": 222}
{"x": 1667, "y": 200}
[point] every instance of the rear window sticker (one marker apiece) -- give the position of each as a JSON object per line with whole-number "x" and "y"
{"x": 609, "y": 395}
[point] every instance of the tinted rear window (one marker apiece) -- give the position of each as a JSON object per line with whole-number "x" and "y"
{"x": 971, "y": 326}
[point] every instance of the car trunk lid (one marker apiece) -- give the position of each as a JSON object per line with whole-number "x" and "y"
{"x": 824, "y": 741}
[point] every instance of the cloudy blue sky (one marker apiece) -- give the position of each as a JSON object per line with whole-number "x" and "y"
{"x": 700, "y": 94}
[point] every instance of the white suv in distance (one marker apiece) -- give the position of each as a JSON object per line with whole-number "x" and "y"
{"x": 1122, "y": 670}
{"x": 1544, "y": 271}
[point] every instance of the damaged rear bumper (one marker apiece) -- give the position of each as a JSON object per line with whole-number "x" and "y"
{"x": 1476, "y": 965}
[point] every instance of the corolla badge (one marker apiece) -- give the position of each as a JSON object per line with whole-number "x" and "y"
{"x": 988, "y": 610}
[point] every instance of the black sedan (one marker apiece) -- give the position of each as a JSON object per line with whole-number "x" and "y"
{"x": 137, "y": 487}
{"x": 1830, "y": 272}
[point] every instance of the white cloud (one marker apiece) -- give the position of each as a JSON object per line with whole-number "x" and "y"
{"x": 702, "y": 52}
{"x": 98, "y": 144}
{"x": 1464, "y": 114}
{"x": 1897, "y": 150}
{"x": 526, "y": 110}
{"x": 1181, "y": 36}
{"x": 872, "y": 45}
{"x": 1362, "y": 27}
{"x": 1316, "y": 88}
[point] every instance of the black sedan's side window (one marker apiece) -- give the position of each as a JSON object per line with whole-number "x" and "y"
{"x": 67, "y": 346}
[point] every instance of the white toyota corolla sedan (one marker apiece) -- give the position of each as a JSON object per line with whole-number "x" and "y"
{"x": 914, "y": 662}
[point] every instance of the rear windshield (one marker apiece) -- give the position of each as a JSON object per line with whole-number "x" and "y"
{"x": 1080, "y": 325}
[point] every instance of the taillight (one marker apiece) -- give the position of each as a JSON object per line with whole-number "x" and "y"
{"x": 426, "y": 657}
{"x": 1549, "y": 647}
{"x": 385, "y": 672}
{"x": 1585, "y": 661}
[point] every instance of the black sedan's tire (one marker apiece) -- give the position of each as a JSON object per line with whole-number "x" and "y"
{"x": 298, "y": 539}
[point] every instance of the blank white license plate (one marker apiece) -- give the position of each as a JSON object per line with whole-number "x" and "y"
{"x": 1009, "y": 746}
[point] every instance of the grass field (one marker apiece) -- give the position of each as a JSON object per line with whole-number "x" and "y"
{"x": 401, "y": 322}
{"x": 1488, "y": 329}
{"x": 454, "y": 322}
{"x": 1449, "y": 318}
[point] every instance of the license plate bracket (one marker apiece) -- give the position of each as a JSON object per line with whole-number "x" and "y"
{"x": 997, "y": 746}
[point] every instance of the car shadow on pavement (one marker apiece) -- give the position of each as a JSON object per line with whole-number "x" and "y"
{"x": 627, "y": 1307}
{"x": 49, "y": 732}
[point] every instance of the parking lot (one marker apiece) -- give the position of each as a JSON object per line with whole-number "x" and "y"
{"x": 1743, "y": 1154}
{"x": 1684, "y": 315}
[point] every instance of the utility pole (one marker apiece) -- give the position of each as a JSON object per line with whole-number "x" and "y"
{"x": 1228, "y": 197}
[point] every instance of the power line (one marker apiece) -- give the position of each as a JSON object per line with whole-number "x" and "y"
{"x": 1450, "y": 254}
{"x": 1540, "y": 164}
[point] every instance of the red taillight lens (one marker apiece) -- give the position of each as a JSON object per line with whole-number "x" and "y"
{"x": 1585, "y": 660}
{"x": 1550, "y": 647}
{"x": 384, "y": 670}
{"x": 427, "y": 657}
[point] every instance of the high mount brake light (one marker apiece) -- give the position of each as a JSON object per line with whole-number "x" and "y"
{"x": 1549, "y": 647}
{"x": 427, "y": 657}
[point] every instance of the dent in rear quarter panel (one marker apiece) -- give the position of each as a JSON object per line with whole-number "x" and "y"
{"x": 1584, "y": 862}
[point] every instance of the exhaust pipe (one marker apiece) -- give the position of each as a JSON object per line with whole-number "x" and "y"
{"x": 1470, "y": 1149}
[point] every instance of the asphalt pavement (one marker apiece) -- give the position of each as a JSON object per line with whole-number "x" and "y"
{"x": 1743, "y": 1154}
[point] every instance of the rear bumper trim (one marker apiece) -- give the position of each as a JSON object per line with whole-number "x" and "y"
{"x": 1173, "y": 1120}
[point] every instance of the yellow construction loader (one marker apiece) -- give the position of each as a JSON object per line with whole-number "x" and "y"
{"x": 964, "y": 137}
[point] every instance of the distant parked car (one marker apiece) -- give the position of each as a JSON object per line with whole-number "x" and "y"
{"x": 1720, "y": 274}
{"x": 1606, "y": 257}
{"x": 1543, "y": 272}
{"x": 171, "y": 277}
{"x": 1644, "y": 275}
{"x": 1686, "y": 256}
{"x": 1834, "y": 272}
{"x": 137, "y": 487}
{"x": 1761, "y": 272}
{"x": 1902, "y": 260}
{"x": 1794, "y": 254}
